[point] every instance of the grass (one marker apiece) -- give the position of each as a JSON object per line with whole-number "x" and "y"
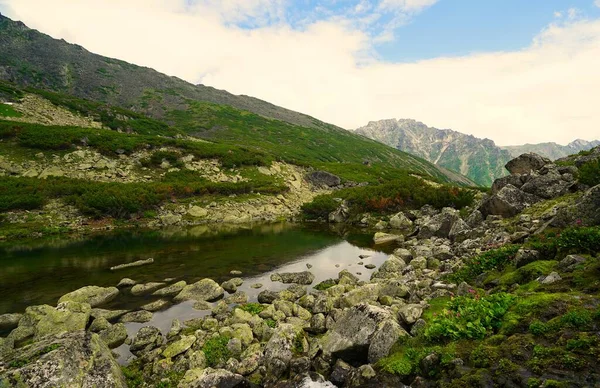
{"x": 215, "y": 350}
{"x": 8, "y": 111}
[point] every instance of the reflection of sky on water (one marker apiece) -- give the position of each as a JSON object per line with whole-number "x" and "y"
{"x": 324, "y": 267}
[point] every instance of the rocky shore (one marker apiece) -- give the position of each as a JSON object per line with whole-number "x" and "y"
{"x": 335, "y": 332}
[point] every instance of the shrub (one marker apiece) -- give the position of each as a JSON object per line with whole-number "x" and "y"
{"x": 469, "y": 317}
{"x": 495, "y": 259}
{"x": 589, "y": 173}
{"x": 319, "y": 207}
{"x": 579, "y": 240}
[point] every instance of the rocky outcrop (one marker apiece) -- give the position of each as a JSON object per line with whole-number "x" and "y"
{"x": 533, "y": 179}
{"x": 78, "y": 359}
{"x": 323, "y": 179}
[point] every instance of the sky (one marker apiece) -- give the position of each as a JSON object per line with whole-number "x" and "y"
{"x": 513, "y": 71}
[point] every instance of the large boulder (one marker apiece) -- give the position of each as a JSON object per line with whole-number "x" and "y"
{"x": 287, "y": 340}
{"x": 147, "y": 338}
{"x": 439, "y": 225}
{"x": 391, "y": 268}
{"x": 400, "y": 221}
{"x": 526, "y": 163}
{"x": 78, "y": 359}
{"x": 515, "y": 180}
{"x": 508, "y": 202}
{"x": 351, "y": 335}
{"x": 44, "y": 320}
{"x": 385, "y": 337}
{"x": 92, "y": 295}
{"x": 205, "y": 290}
{"x": 323, "y": 179}
{"x": 339, "y": 215}
{"x": 586, "y": 211}
{"x": 549, "y": 185}
{"x": 9, "y": 321}
{"x": 304, "y": 277}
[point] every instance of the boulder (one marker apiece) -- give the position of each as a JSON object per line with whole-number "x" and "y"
{"x": 391, "y": 268}
{"x": 323, "y": 179}
{"x": 410, "y": 313}
{"x": 92, "y": 295}
{"x": 382, "y": 238}
{"x": 143, "y": 289}
{"x": 267, "y": 296}
{"x": 365, "y": 294}
{"x": 114, "y": 336}
{"x": 340, "y": 215}
{"x": 9, "y": 321}
{"x": 180, "y": 346}
{"x": 282, "y": 347}
{"x": 508, "y": 202}
{"x": 351, "y": 334}
{"x": 171, "y": 290}
{"x": 515, "y": 180}
{"x": 586, "y": 211}
{"x": 126, "y": 282}
{"x": 439, "y": 225}
{"x": 304, "y": 277}
{"x": 147, "y": 338}
{"x": 204, "y": 290}
{"x": 526, "y": 256}
{"x": 553, "y": 277}
{"x": 526, "y": 163}
{"x": 78, "y": 359}
{"x": 400, "y": 221}
{"x": 210, "y": 378}
{"x": 385, "y": 337}
{"x": 548, "y": 186}
{"x": 137, "y": 316}
{"x": 42, "y": 321}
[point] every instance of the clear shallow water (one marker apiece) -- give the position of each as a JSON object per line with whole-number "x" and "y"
{"x": 33, "y": 275}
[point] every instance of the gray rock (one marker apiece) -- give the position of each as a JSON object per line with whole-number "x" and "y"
{"x": 256, "y": 286}
{"x": 126, "y": 282}
{"x": 526, "y": 256}
{"x": 138, "y": 263}
{"x": 281, "y": 348}
{"x": 42, "y": 321}
{"x": 92, "y": 295}
{"x": 204, "y": 290}
{"x": 340, "y": 373}
{"x": 143, "y": 289}
{"x": 137, "y": 316}
{"x": 547, "y": 186}
{"x": 77, "y": 359}
{"x": 229, "y": 286}
{"x": 147, "y": 338}
{"x": 267, "y": 296}
{"x": 304, "y": 277}
{"x": 390, "y": 268}
{"x": 382, "y": 238}
{"x": 475, "y": 219}
{"x": 570, "y": 262}
{"x": 439, "y": 225}
{"x": 323, "y": 179}
{"x": 552, "y": 278}
{"x": 527, "y": 163}
{"x": 235, "y": 272}
{"x": 385, "y": 337}
{"x": 171, "y": 290}
{"x": 157, "y": 305}
{"x": 210, "y": 378}
{"x": 340, "y": 215}
{"x": 351, "y": 335}
{"x": 9, "y": 321}
{"x": 114, "y": 336}
{"x": 585, "y": 212}
{"x": 410, "y": 313}
{"x": 515, "y": 180}
{"x": 400, "y": 221}
{"x": 508, "y": 202}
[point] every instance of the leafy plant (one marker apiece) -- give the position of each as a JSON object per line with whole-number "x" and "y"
{"x": 495, "y": 259}
{"x": 215, "y": 350}
{"x": 589, "y": 173}
{"x": 470, "y": 317}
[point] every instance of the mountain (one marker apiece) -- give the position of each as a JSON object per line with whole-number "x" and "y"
{"x": 478, "y": 159}
{"x": 38, "y": 62}
{"x": 552, "y": 150}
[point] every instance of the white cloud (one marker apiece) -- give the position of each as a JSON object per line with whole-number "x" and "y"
{"x": 597, "y": 3}
{"x": 408, "y": 5}
{"x": 546, "y": 92}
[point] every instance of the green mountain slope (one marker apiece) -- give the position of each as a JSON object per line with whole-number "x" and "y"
{"x": 32, "y": 59}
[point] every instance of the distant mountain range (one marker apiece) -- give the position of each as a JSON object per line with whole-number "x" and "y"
{"x": 481, "y": 160}
{"x": 552, "y": 150}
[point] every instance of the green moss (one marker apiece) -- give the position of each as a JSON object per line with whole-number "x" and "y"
{"x": 8, "y": 111}
{"x": 271, "y": 323}
{"x": 252, "y": 308}
{"x": 215, "y": 350}
{"x": 527, "y": 273}
{"x": 325, "y": 284}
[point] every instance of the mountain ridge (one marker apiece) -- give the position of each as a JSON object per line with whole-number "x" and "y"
{"x": 552, "y": 150}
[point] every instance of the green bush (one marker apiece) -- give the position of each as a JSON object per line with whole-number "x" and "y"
{"x": 589, "y": 173}
{"x": 579, "y": 240}
{"x": 495, "y": 259}
{"x": 319, "y": 207}
{"x": 469, "y": 317}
